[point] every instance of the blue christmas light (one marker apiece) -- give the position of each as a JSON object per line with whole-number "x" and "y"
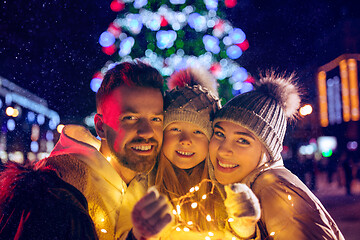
{"x": 211, "y": 4}
{"x": 165, "y": 39}
{"x": 240, "y": 74}
{"x": 211, "y": 44}
{"x": 106, "y": 39}
{"x": 126, "y": 46}
{"x": 246, "y": 87}
{"x": 197, "y": 22}
{"x": 95, "y": 84}
{"x": 237, "y": 35}
{"x": 233, "y": 52}
{"x": 134, "y": 23}
{"x": 140, "y": 3}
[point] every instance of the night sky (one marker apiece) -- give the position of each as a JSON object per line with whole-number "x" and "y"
{"x": 51, "y": 47}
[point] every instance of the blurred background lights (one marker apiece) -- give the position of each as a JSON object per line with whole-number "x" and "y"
{"x": 10, "y": 111}
{"x": 30, "y": 116}
{"x": 126, "y": 46}
{"x": 140, "y": 3}
{"x": 60, "y": 127}
{"x": 49, "y": 135}
{"x": 237, "y": 35}
{"x": 230, "y": 3}
{"x": 52, "y": 124}
{"x": 106, "y": 39}
{"x": 10, "y": 124}
{"x": 240, "y": 74}
{"x": 352, "y": 145}
{"x": 197, "y": 22}
{"x": 40, "y": 119}
{"x": 133, "y": 23}
{"x": 34, "y": 146}
{"x": 117, "y": 5}
{"x": 233, "y": 52}
{"x": 165, "y": 39}
{"x": 305, "y": 110}
{"x": 211, "y": 44}
{"x": 211, "y": 4}
{"x": 177, "y": 1}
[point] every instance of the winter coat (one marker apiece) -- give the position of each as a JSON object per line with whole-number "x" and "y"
{"x": 78, "y": 161}
{"x": 289, "y": 210}
{"x": 37, "y": 204}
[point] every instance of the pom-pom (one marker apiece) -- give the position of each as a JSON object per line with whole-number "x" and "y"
{"x": 283, "y": 89}
{"x": 194, "y": 76}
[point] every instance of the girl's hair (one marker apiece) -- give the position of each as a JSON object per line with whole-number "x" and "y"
{"x": 175, "y": 183}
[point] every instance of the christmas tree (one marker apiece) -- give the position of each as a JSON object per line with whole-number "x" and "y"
{"x": 171, "y": 35}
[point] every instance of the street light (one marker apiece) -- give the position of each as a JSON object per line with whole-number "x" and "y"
{"x": 305, "y": 110}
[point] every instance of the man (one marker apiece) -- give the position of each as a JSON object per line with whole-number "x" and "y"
{"x": 111, "y": 173}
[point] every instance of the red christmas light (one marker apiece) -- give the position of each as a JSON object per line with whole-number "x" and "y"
{"x": 244, "y": 45}
{"x": 230, "y": 3}
{"x": 117, "y": 5}
{"x": 109, "y": 50}
{"x": 114, "y": 29}
{"x": 164, "y": 22}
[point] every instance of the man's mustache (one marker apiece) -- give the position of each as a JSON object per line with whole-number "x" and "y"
{"x": 143, "y": 141}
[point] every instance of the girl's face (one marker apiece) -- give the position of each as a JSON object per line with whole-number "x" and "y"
{"x": 234, "y": 152}
{"x": 185, "y": 145}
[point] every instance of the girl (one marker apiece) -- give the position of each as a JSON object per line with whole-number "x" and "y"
{"x": 245, "y": 148}
{"x": 189, "y": 108}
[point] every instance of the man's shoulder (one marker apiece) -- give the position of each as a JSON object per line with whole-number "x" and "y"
{"x": 69, "y": 168}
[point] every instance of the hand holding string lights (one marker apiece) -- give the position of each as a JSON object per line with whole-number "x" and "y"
{"x": 243, "y": 208}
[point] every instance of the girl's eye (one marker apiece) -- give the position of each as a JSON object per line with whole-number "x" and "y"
{"x": 218, "y": 134}
{"x": 175, "y": 129}
{"x": 198, "y": 132}
{"x": 243, "y": 141}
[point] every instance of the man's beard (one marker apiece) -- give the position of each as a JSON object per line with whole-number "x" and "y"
{"x": 133, "y": 161}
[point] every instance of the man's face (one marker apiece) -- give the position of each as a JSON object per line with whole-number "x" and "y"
{"x": 133, "y": 126}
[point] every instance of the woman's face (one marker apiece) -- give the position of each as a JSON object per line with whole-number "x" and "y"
{"x": 234, "y": 152}
{"x": 185, "y": 145}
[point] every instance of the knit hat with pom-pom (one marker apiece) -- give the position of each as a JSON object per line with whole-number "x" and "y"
{"x": 265, "y": 111}
{"x": 192, "y": 97}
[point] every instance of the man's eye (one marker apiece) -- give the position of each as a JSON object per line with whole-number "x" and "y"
{"x": 126, "y": 118}
{"x": 157, "y": 119}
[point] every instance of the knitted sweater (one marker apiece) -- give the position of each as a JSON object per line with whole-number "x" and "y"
{"x": 78, "y": 161}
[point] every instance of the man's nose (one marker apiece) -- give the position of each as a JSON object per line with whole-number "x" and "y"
{"x": 145, "y": 129}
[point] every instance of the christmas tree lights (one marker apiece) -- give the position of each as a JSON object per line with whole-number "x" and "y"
{"x": 171, "y": 35}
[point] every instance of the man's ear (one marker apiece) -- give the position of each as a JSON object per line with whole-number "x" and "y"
{"x": 99, "y": 125}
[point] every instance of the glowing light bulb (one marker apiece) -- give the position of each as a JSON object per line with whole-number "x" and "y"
{"x": 207, "y": 238}
{"x": 103, "y": 230}
{"x": 192, "y": 189}
{"x": 194, "y": 205}
{"x": 230, "y": 220}
{"x": 272, "y": 233}
{"x": 108, "y": 158}
{"x": 174, "y": 211}
{"x": 178, "y": 229}
{"x": 208, "y": 218}
{"x": 190, "y": 223}
{"x": 186, "y": 229}
{"x": 178, "y": 210}
{"x": 102, "y": 220}
{"x": 196, "y": 188}
{"x": 289, "y": 197}
{"x": 211, "y": 234}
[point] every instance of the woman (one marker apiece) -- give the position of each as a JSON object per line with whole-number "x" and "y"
{"x": 245, "y": 148}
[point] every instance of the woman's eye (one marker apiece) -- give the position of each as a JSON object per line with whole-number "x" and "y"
{"x": 219, "y": 134}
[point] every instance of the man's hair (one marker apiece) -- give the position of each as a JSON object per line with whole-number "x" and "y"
{"x": 132, "y": 74}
